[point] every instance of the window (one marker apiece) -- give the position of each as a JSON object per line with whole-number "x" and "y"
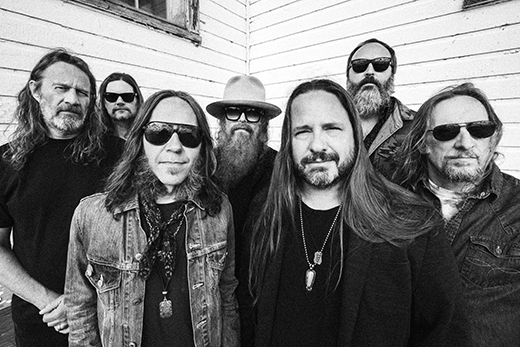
{"x": 178, "y": 17}
{"x": 475, "y": 3}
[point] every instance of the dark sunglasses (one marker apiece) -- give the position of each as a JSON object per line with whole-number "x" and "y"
{"x": 478, "y": 130}
{"x": 252, "y": 114}
{"x": 159, "y": 133}
{"x": 379, "y": 64}
{"x": 112, "y": 97}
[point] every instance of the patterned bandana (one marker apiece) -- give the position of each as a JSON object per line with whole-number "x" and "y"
{"x": 161, "y": 243}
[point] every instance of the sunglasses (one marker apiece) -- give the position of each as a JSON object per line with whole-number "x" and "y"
{"x": 252, "y": 114}
{"x": 112, "y": 97}
{"x": 159, "y": 133}
{"x": 478, "y": 130}
{"x": 379, "y": 64}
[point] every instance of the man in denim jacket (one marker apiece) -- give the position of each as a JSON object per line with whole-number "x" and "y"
{"x": 449, "y": 160}
{"x": 151, "y": 261}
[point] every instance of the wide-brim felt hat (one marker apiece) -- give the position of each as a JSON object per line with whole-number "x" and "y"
{"x": 243, "y": 91}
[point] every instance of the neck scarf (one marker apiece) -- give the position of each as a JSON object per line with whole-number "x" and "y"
{"x": 161, "y": 243}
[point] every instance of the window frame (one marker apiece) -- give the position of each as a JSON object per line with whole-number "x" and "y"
{"x": 191, "y": 32}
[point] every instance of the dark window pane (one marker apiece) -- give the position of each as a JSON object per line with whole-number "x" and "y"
{"x": 155, "y": 7}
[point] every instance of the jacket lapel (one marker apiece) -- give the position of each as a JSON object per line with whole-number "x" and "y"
{"x": 269, "y": 298}
{"x": 353, "y": 282}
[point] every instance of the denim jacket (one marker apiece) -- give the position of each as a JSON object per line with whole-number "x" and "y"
{"x": 485, "y": 238}
{"x": 105, "y": 295}
{"x": 389, "y": 139}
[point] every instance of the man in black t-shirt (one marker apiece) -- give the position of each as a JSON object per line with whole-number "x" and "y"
{"x": 59, "y": 153}
{"x": 340, "y": 256}
{"x": 151, "y": 260}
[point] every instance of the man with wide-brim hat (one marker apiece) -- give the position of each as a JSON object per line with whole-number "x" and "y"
{"x": 243, "y": 91}
{"x": 245, "y": 162}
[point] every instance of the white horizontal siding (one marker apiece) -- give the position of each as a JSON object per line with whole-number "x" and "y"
{"x": 283, "y": 42}
{"x": 437, "y": 45}
{"x": 28, "y": 29}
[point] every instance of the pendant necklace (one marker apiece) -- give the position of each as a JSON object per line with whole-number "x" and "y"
{"x": 166, "y": 305}
{"x": 310, "y": 274}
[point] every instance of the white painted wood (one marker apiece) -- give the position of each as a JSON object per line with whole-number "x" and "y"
{"x": 289, "y": 41}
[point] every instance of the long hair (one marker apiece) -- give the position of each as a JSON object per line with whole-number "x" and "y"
{"x": 410, "y": 156}
{"x": 373, "y": 208}
{"x": 119, "y": 184}
{"x": 31, "y": 131}
{"x": 117, "y": 76}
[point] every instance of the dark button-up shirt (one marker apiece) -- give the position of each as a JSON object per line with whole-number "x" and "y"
{"x": 485, "y": 238}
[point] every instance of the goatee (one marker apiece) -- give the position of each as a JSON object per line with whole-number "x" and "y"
{"x": 370, "y": 100}
{"x": 321, "y": 178}
{"x": 149, "y": 186}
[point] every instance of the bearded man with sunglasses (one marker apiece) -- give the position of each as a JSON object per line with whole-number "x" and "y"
{"x": 119, "y": 102}
{"x": 245, "y": 161}
{"x": 448, "y": 159}
{"x": 371, "y": 69}
{"x": 151, "y": 261}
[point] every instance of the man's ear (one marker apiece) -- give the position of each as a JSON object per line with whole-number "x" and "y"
{"x": 424, "y": 149}
{"x": 33, "y": 87}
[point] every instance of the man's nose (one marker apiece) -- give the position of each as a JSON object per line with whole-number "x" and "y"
{"x": 72, "y": 97}
{"x": 464, "y": 139}
{"x": 242, "y": 118}
{"x": 174, "y": 144}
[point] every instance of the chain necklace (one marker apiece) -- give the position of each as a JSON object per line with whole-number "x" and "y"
{"x": 310, "y": 274}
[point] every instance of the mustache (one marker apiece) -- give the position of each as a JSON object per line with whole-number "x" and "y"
{"x": 243, "y": 126}
{"x": 120, "y": 108}
{"x": 322, "y": 156}
{"x": 70, "y": 108}
{"x": 464, "y": 154}
{"x": 370, "y": 79}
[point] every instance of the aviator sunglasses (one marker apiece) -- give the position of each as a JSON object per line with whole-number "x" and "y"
{"x": 252, "y": 114}
{"x": 379, "y": 64}
{"x": 159, "y": 133}
{"x": 478, "y": 130}
{"x": 112, "y": 97}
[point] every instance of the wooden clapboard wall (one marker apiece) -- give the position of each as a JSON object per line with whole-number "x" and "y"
{"x": 437, "y": 44}
{"x": 28, "y": 28}
{"x": 283, "y": 42}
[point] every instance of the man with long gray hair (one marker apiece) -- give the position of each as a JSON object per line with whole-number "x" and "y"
{"x": 60, "y": 152}
{"x": 449, "y": 159}
{"x": 340, "y": 256}
{"x": 371, "y": 69}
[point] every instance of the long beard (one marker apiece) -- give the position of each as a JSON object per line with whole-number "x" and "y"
{"x": 236, "y": 157}
{"x": 147, "y": 184}
{"x": 370, "y": 100}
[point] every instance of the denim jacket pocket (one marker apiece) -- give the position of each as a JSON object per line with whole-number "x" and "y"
{"x": 492, "y": 263}
{"x": 217, "y": 259}
{"x": 107, "y": 281}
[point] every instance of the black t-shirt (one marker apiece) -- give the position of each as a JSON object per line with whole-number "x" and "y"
{"x": 308, "y": 318}
{"x": 38, "y": 202}
{"x": 177, "y": 329}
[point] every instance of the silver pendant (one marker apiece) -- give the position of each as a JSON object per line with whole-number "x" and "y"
{"x": 310, "y": 276}
{"x": 317, "y": 258}
{"x": 165, "y": 308}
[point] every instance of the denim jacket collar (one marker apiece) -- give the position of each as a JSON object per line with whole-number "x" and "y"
{"x": 133, "y": 204}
